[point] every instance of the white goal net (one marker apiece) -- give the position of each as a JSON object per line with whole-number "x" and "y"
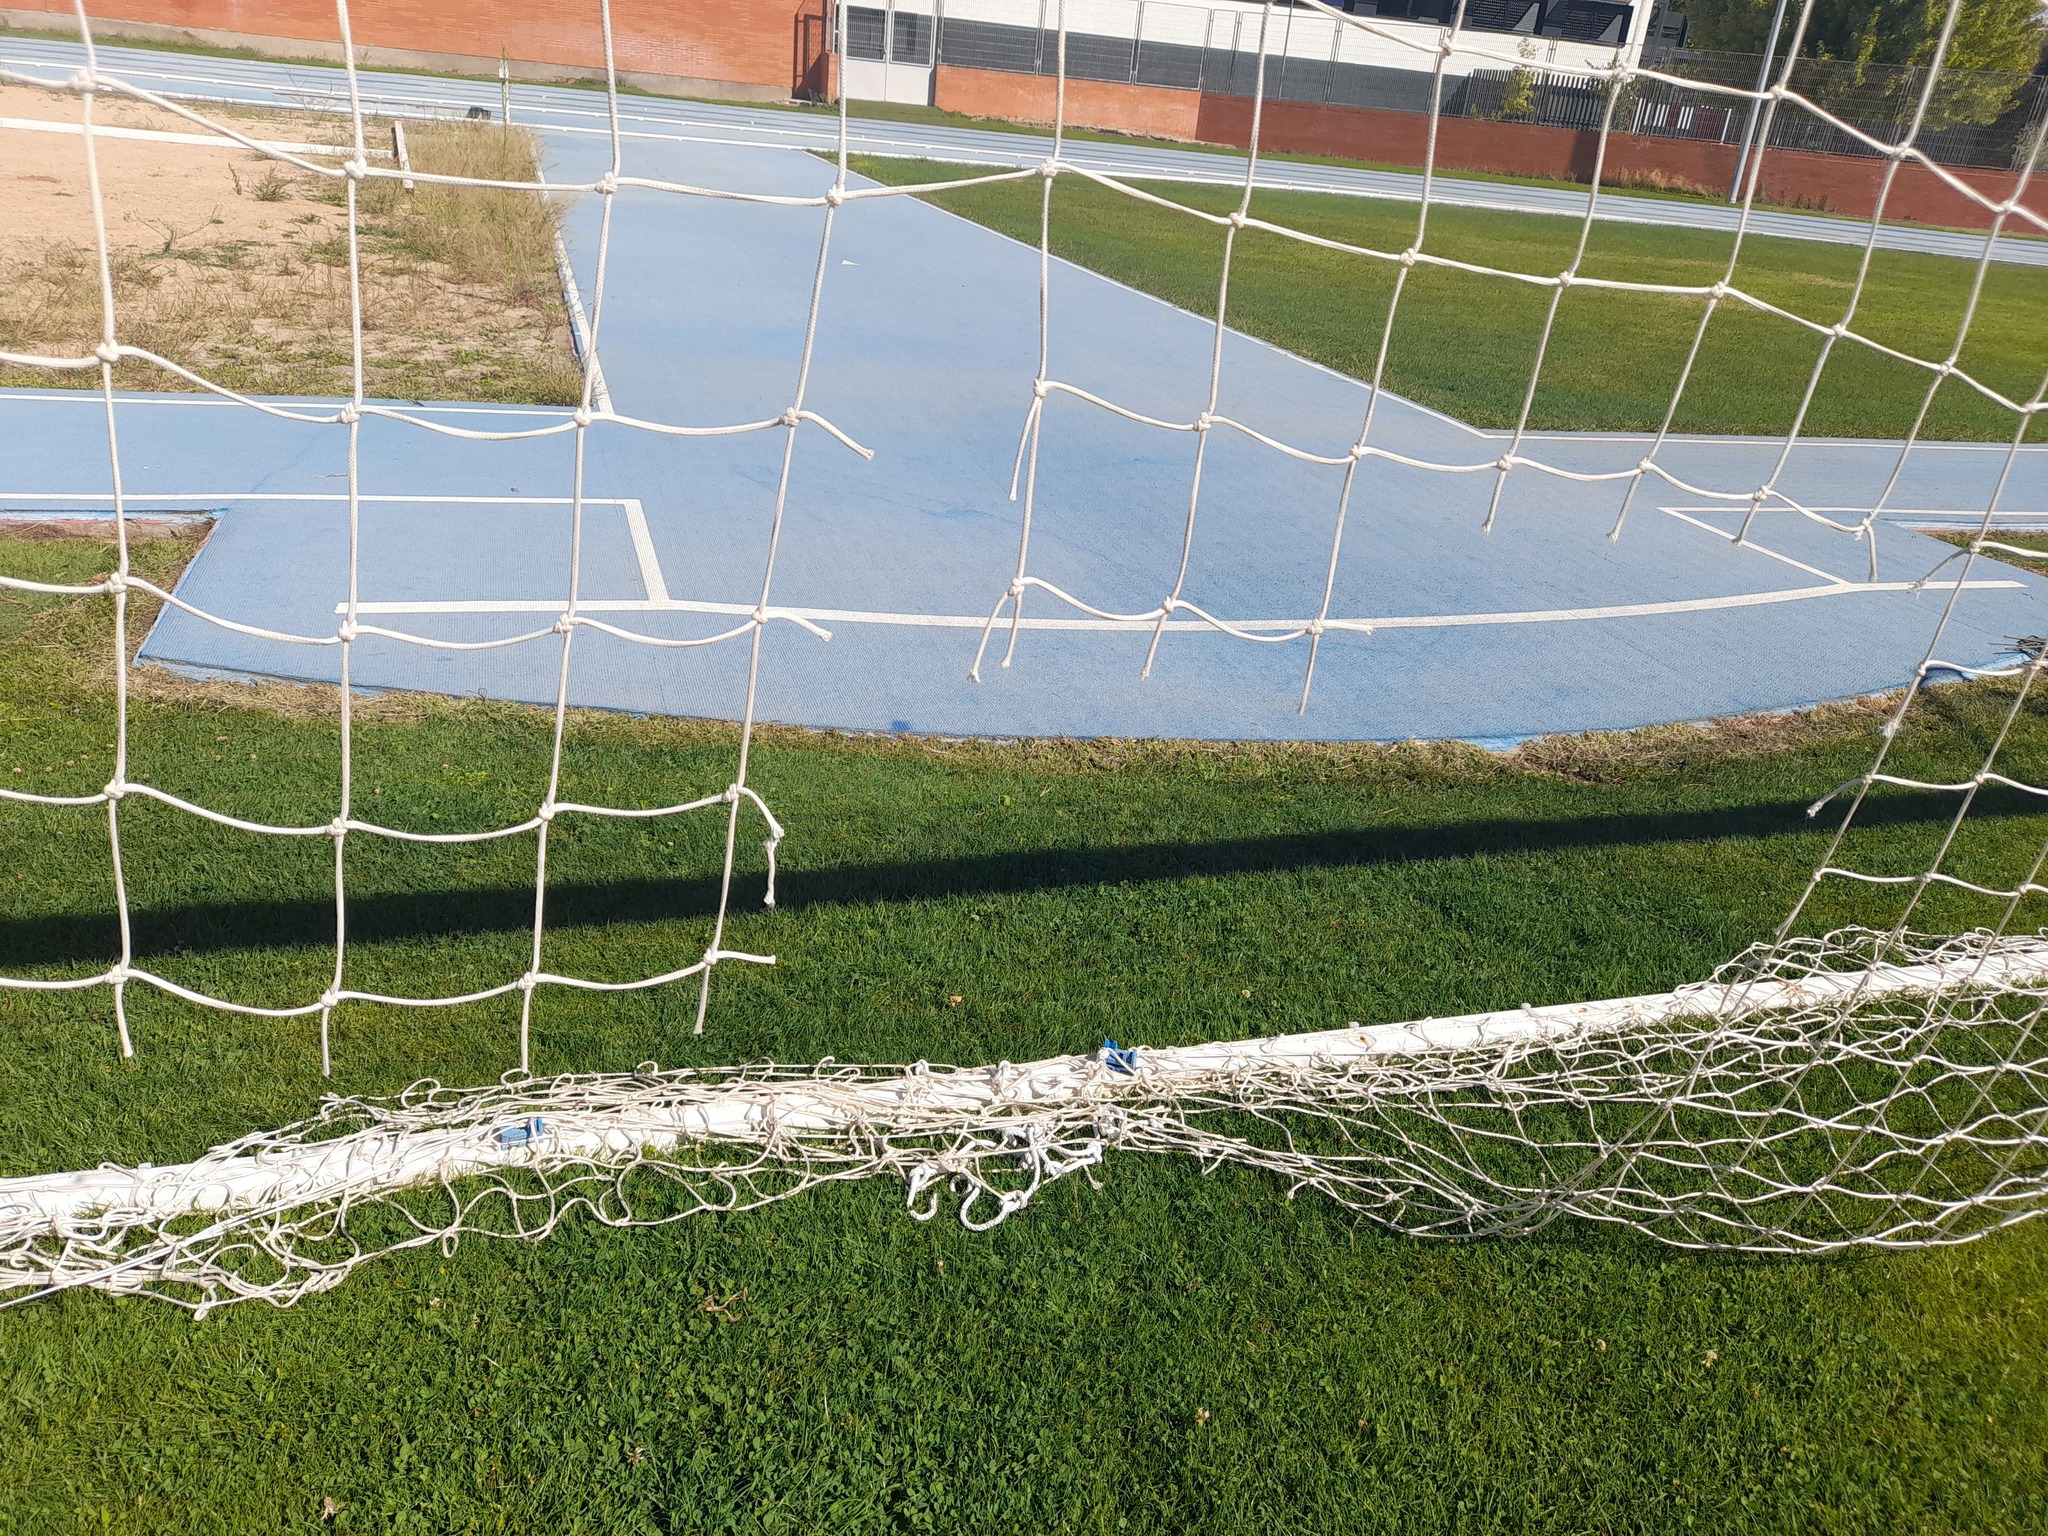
{"x": 1875, "y": 1086}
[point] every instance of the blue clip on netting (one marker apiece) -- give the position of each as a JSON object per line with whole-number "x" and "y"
{"x": 520, "y": 1135}
{"x": 1120, "y": 1058}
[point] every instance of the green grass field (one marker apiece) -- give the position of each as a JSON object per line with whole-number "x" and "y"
{"x": 1168, "y": 1353}
{"x": 1465, "y": 343}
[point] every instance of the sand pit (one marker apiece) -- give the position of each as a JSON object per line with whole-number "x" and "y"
{"x": 236, "y": 266}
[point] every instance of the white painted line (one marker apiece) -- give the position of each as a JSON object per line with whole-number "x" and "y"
{"x": 1146, "y": 626}
{"x": 636, "y": 516}
{"x": 166, "y": 515}
{"x": 1726, "y": 536}
{"x": 92, "y": 398}
{"x": 157, "y": 136}
{"x": 102, "y": 497}
{"x": 643, "y": 547}
{"x": 1971, "y": 513}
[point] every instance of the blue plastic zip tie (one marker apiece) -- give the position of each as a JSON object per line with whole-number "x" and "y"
{"x": 520, "y": 1135}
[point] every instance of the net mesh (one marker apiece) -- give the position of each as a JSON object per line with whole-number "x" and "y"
{"x": 1860, "y": 1089}
{"x": 1873, "y": 1087}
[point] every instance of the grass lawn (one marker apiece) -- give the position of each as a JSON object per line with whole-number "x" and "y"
{"x": 1465, "y": 343}
{"x": 1657, "y": 186}
{"x": 2035, "y": 545}
{"x": 1168, "y": 1353}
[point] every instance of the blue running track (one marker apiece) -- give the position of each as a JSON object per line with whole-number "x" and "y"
{"x": 925, "y": 354}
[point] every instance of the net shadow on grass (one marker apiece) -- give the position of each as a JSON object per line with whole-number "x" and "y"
{"x": 393, "y": 916}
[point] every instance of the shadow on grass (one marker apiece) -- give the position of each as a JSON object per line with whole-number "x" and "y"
{"x": 375, "y": 917}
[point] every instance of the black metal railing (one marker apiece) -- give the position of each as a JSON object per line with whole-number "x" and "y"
{"x": 1975, "y": 117}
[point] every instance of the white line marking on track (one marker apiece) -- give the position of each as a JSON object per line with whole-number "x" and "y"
{"x": 101, "y": 497}
{"x": 159, "y": 136}
{"x": 1146, "y": 626}
{"x": 412, "y": 408}
{"x": 643, "y": 548}
{"x": 1860, "y": 513}
{"x": 1723, "y": 533}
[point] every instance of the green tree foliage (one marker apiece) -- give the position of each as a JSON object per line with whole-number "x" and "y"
{"x": 1519, "y": 95}
{"x": 1991, "y": 34}
{"x": 1872, "y": 41}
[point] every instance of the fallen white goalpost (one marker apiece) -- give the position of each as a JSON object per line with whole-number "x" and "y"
{"x": 1873, "y": 1087}
{"x": 1418, "y": 1125}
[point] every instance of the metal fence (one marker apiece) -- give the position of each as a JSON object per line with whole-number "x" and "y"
{"x": 1976, "y": 118}
{"x": 1217, "y": 51}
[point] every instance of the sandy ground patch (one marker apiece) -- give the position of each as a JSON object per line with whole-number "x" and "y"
{"x": 236, "y": 267}
{"x": 145, "y": 185}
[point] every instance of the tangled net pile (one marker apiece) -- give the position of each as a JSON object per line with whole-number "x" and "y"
{"x": 1857, "y": 1090}
{"x": 1870, "y": 1088}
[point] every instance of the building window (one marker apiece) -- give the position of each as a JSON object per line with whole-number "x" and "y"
{"x": 866, "y": 33}
{"x": 912, "y": 43}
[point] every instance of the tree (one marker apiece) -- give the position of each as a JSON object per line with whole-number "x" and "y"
{"x": 1518, "y": 95}
{"x": 1990, "y": 34}
{"x": 1866, "y": 36}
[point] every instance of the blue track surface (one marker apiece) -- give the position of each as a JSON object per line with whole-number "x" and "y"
{"x": 926, "y": 352}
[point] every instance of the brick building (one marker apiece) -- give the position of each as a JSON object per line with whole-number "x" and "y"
{"x": 762, "y": 50}
{"x": 1159, "y": 67}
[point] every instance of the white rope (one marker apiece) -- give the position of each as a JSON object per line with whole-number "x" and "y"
{"x": 1420, "y": 1126}
{"x": 1703, "y": 1116}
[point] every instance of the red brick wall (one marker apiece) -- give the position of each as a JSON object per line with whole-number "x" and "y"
{"x": 776, "y": 43}
{"x": 1839, "y": 184}
{"x": 1142, "y": 109}
{"x": 779, "y": 45}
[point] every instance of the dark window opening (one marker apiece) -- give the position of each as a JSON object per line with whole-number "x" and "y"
{"x": 912, "y": 43}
